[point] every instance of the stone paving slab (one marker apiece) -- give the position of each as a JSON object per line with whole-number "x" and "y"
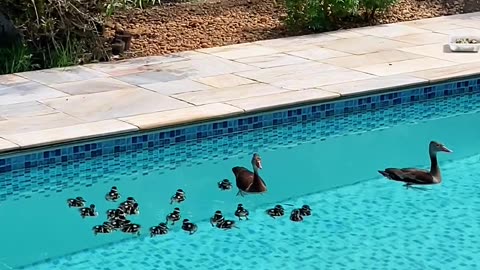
{"x": 65, "y": 104}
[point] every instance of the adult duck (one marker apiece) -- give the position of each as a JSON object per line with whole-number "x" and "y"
{"x": 413, "y": 176}
{"x": 247, "y": 181}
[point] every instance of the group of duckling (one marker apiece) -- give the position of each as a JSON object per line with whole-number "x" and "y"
{"x": 117, "y": 218}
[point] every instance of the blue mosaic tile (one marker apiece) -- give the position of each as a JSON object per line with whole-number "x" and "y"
{"x": 22, "y": 174}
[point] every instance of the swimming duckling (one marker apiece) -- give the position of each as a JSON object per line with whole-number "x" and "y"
{"x": 132, "y": 228}
{"x": 88, "y": 211}
{"x": 277, "y": 211}
{"x": 116, "y": 213}
{"x": 226, "y": 224}
{"x": 178, "y": 197}
{"x": 217, "y": 218}
{"x": 130, "y": 201}
{"x": 296, "y": 215}
{"x": 225, "y": 185}
{"x": 118, "y": 224}
{"x": 76, "y": 202}
{"x": 159, "y": 230}
{"x": 132, "y": 209}
{"x": 241, "y": 212}
{"x": 105, "y": 228}
{"x": 189, "y": 227}
{"x": 174, "y": 216}
{"x": 113, "y": 195}
{"x": 305, "y": 210}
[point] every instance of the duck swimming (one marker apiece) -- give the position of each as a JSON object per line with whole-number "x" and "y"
{"x": 174, "y": 216}
{"x": 131, "y": 228}
{"x": 225, "y": 185}
{"x": 305, "y": 210}
{"x": 76, "y": 202}
{"x": 88, "y": 211}
{"x": 130, "y": 201}
{"x": 159, "y": 230}
{"x": 189, "y": 227}
{"x": 116, "y": 214}
{"x": 113, "y": 195}
{"x": 226, "y": 225}
{"x": 105, "y": 228}
{"x": 248, "y": 182}
{"x": 412, "y": 176}
{"x": 178, "y": 197}
{"x": 296, "y": 215}
{"x": 277, "y": 211}
{"x": 118, "y": 223}
{"x": 241, "y": 212}
{"x": 130, "y": 206}
{"x": 217, "y": 218}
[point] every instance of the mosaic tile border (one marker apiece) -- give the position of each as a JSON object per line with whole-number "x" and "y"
{"x": 67, "y": 153}
{"x": 137, "y": 160}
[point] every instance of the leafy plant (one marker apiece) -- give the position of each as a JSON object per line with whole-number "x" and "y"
{"x": 318, "y": 14}
{"x": 372, "y": 6}
{"x": 15, "y": 59}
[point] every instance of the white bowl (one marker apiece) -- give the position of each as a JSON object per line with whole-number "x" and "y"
{"x": 463, "y": 47}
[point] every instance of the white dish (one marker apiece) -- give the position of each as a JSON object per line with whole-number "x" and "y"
{"x": 464, "y": 47}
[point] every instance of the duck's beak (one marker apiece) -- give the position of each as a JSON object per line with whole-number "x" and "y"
{"x": 445, "y": 149}
{"x": 259, "y": 163}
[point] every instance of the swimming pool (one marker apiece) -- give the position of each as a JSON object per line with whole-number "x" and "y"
{"x": 313, "y": 156}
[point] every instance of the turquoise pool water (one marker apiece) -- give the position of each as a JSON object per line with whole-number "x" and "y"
{"x": 359, "y": 221}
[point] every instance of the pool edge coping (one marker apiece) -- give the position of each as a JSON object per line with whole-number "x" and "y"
{"x": 124, "y": 128}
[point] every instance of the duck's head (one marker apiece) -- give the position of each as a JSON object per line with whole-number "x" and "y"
{"x": 92, "y": 206}
{"x": 218, "y": 212}
{"x": 180, "y": 191}
{"x": 240, "y": 205}
{"x": 256, "y": 161}
{"x": 162, "y": 224}
{"x": 114, "y": 188}
{"x": 278, "y": 207}
{"x": 435, "y": 147}
{"x": 186, "y": 221}
{"x": 176, "y": 210}
{"x": 80, "y": 199}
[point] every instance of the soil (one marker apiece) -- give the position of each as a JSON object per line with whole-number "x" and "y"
{"x": 176, "y": 27}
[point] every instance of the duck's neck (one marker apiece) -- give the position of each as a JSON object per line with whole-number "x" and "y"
{"x": 255, "y": 172}
{"x": 434, "y": 169}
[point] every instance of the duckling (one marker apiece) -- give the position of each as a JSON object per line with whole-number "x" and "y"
{"x": 130, "y": 201}
{"x": 174, "y": 216}
{"x": 159, "y": 230}
{"x": 241, "y": 212}
{"x": 105, "y": 228}
{"x": 226, "y": 224}
{"x": 277, "y": 211}
{"x": 113, "y": 195}
{"x": 132, "y": 228}
{"x": 76, "y": 202}
{"x": 217, "y": 218}
{"x": 296, "y": 215}
{"x": 116, "y": 213}
{"x": 189, "y": 227}
{"x": 305, "y": 210}
{"x": 178, "y": 197}
{"x": 118, "y": 224}
{"x": 132, "y": 209}
{"x": 225, "y": 185}
{"x": 88, "y": 211}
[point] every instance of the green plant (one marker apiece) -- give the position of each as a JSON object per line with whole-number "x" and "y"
{"x": 372, "y": 6}
{"x": 15, "y": 59}
{"x": 318, "y": 15}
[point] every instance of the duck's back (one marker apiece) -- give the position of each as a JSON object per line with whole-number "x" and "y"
{"x": 243, "y": 177}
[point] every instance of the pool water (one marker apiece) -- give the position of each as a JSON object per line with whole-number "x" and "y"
{"x": 360, "y": 220}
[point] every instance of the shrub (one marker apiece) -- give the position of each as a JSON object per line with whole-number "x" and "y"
{"x": 372, "y": 6}
{"x": 318, "y": 14}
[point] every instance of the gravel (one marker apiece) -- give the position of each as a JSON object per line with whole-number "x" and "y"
{"x": 171, "y": 28}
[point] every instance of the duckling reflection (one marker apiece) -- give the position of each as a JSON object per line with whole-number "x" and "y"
{"x": 159, "y": 230}
{"x": 76, "y": 202}
{"x": 296, "y": 215}
{"x": 225, "y": 185}
{"x": 226, "y": 225}
{"x": 88, "y": 211}
{"x": 189, "y": 227}
{"x": 277, "y": 211}
{"x": 131, "y": 228}
{"x": 174, "y": 216}
{"x": 178, "y": 197}
{"x": 217, "y": 218}
{"x": 105, "y": 228}
{"x": 113, "y": 195}
{"x": 305, "y": 210}
{"x": 241, "y": 212}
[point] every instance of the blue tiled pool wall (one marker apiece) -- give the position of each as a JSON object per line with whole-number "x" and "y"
{"x": 55, "y": 170}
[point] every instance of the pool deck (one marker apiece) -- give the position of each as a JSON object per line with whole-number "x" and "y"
{"x": 45, "y": 107}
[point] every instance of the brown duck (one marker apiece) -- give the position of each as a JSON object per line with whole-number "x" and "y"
{"x": 413, "y": 176}
{"x": 247, "y": 181}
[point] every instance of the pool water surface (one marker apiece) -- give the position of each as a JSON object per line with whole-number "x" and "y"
{"x": 360, "y": 220}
